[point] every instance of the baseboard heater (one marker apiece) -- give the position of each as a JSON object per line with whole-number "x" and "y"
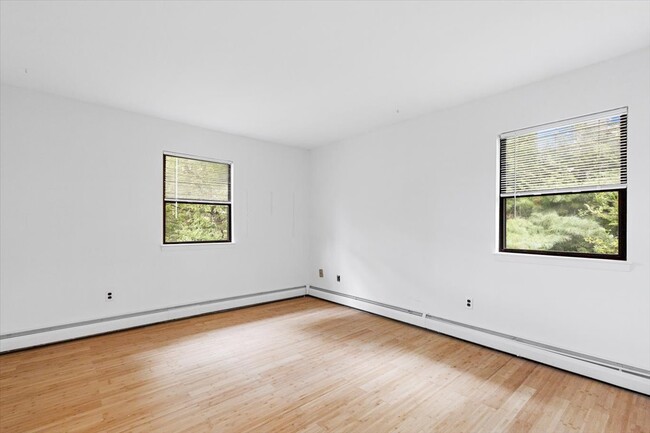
{"x": 616, "y": 366}
{"x": 576, "y": 355}
{"x": 368, "y": 301}
{"x": 69, "y": 331}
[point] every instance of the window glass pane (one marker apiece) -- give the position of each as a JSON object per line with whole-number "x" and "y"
{"x": 191, "y": 179}
{"x": 192, "y": 222}
{"x": 575, "y": 223}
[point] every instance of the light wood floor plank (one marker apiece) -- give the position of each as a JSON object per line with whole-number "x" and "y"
{"x": 302, "y": 365}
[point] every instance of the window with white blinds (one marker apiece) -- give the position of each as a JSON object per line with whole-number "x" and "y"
{"x": 587, "y": 154}
{"x": 197, "y": 200}
{"x": 562, "y": 187}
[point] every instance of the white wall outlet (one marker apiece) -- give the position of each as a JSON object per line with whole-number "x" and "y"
{"x": 469, "y": 303}
{"x": 109, "y": 296}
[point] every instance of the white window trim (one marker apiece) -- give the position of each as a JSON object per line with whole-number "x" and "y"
{"x": 541, "y": 259}
{"x": 564, "y": 261}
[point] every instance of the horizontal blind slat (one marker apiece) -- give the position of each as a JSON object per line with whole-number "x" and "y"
{"x": 567, "y": 190}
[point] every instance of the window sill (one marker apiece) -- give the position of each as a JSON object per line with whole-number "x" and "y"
{"x": 569, "y": 262}
{"x": 195, "y": 247}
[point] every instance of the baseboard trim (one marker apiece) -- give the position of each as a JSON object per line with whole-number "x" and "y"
{"x": 71, "y": 331}
{"x": 369, "y": 301}
{"x": 625, "y": 376}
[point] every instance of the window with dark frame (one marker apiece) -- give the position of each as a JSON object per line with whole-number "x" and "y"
{"x": 563, "y": 188}
{"x": 197, "y": 200}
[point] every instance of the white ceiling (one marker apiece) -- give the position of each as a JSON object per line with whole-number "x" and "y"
{"x": 304, "y": 73}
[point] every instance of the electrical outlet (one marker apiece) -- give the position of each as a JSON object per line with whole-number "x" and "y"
{"x": 109, "y": 296}
{"x": 338, "y": 278}
{"x": 320, "y": 273}
{"x": 469, "y": 303}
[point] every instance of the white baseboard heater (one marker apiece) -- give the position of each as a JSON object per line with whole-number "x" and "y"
{"x": 625, "y": 376}
{"x": 70, "y": 331}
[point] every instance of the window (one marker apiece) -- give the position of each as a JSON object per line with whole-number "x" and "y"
{"x": 197, "y": 200}
{"x": 563, "y": 188}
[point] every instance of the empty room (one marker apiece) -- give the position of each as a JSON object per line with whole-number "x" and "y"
{"x": 325, "y": 216}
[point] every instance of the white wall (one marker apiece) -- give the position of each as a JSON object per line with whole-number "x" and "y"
{"x": 407, "y": 216}
{"x": 81, "y": 214}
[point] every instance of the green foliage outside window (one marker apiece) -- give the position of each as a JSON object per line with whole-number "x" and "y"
{"x": 575, "y": 223}
{"x": 187, "y": 222}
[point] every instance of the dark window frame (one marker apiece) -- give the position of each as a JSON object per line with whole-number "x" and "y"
{"x": 622, "y": 214}
{"x": 622, "y": 229}
{"x": 205, "y": 202}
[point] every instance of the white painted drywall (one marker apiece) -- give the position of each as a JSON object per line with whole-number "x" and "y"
{"x": 81, "y": 214}
{"x": 407, "y": 216}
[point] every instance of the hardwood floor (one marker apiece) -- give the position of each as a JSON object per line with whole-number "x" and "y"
{"x": 302, "y": 365}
